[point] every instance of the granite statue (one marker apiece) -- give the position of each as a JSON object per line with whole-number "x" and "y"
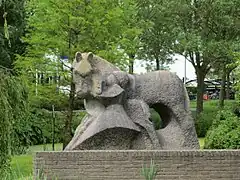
{"x": 118, "y": 108}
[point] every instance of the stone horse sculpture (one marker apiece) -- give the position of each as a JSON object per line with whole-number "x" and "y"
{"x": 118, "y": 108}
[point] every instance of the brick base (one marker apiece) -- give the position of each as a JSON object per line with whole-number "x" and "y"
{"x": 120, "y": 165}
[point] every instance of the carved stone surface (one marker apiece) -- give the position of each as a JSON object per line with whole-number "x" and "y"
{"x": 118, "y": 106}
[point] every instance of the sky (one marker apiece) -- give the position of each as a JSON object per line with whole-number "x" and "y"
{"x": 177, "y": 67}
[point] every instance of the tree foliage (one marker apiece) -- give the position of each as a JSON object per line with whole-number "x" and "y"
{"x": 130, "y": 39}
{"x": 237, "y": 71}
{"x": 225, "y": 132}
{"x": 205, "y": 32}
{"x": 13, "y": 105}
{"x": 158, "y": 37}
{"x": 59, "y": 28}
{"x": 13, "y": 93}
{"x": 12, "y": 27}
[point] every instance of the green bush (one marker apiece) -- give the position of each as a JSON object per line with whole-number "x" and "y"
{"x": 38, "y": 129}
{"x": 60, "y": 101}
{"x": 224, "y": 132}
{"x": 191, "y": 89}
{"x": 236, "y": 108}
{"x": 204, "y": 121}
{"x": 156, "y": 119}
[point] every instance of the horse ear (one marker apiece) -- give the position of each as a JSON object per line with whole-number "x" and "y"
{"x": 90, "y": 56}
{"x": 78, "y": 56}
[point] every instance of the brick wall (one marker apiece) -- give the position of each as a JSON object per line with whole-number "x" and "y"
{"x": 119, "y": 165}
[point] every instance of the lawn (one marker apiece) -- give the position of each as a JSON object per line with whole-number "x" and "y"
{"x": 22, "y": 165}
{"x": 201, "y": 142}
{"x": 210, "y": 103}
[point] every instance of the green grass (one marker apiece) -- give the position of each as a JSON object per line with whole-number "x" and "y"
{"x": 201, "y": 142}
{"x": 22, "y": 165}
{"x": 210, "y": 103}
{"x": 47, "y": 147}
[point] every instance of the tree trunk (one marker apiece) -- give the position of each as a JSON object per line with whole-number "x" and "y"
{"x": 222, "y": 90}
{"x": 200, "y": 91}
{"x": 157, "y": 64}
{"x": 131, "y": 63}
{"x": 228, "y": 85}
{"x": 67, "y": 136}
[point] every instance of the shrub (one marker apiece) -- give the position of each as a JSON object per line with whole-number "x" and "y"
{"x": 204, "y": 121}
{"x": 156, "y": 119}
{"x": 236, "y": 109}
{"x": 224, "y": 132}
{"x": 38, "y": 129}
{"x": 60, "y": 102}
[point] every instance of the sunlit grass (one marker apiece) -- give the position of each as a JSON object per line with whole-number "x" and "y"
{"x": 210, "y": 103}
{"x": 22, "y": 166}
{"x": 201, "y": 142}
{"x": 44, "y": 147}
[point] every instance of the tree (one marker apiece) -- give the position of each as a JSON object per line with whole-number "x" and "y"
{"x": 60, "y": 28}
{"x": 130, "y": 40}
{"x": 157, "y": 38}
{"x": 13, "y": 94}
{"x": 223, "y": 70}
{"x": 226, "y": 67}
{"x": 238, "y": 77}
{"x": 13, "y": 103}
{"x": 12, "y": 27}
{"x": 197, "y": 25}
{"x": 230, "y": 69}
